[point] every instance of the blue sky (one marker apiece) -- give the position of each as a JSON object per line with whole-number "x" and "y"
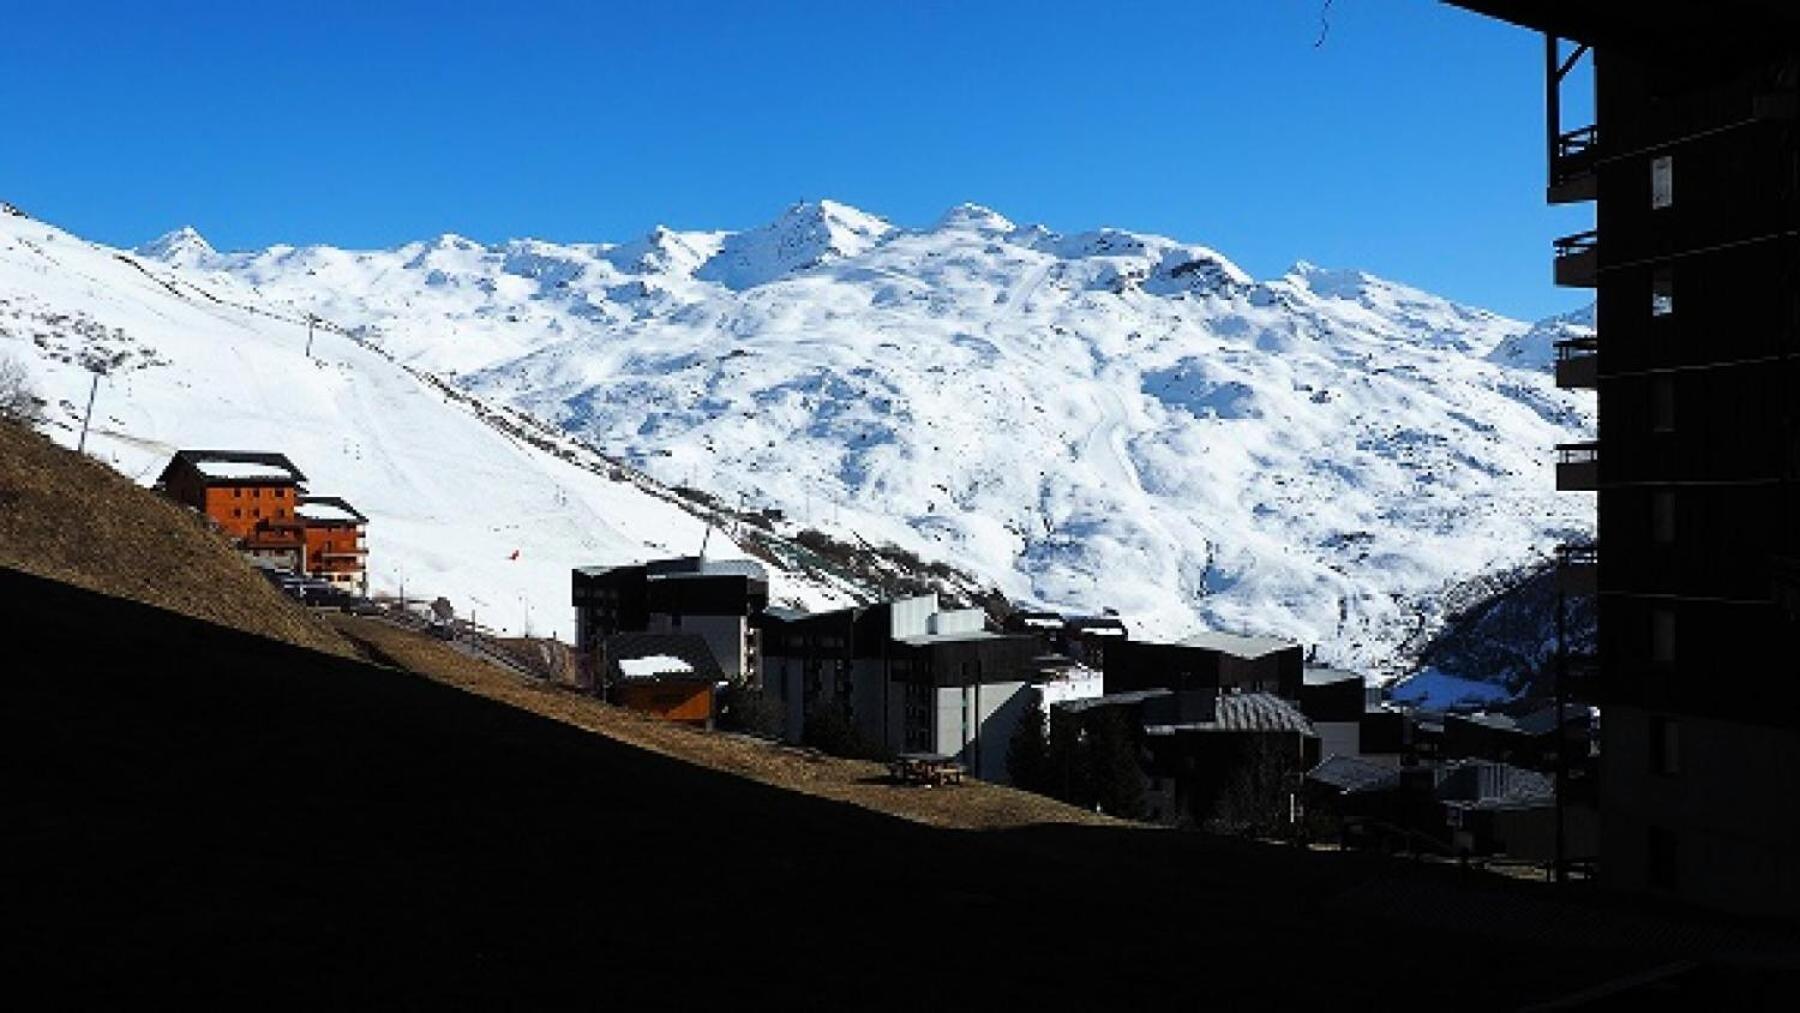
{"x": 1409, "y": 144}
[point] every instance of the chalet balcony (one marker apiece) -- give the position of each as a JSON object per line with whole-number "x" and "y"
{"x": 1572, "y": 159}
{"x": 1577, "y": 467}
{"x": 1578, "y": 569}
{"x": 1578, "y": 363}
{"x": 1578, "y": 260}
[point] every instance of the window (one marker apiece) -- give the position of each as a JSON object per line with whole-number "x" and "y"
{"x": 237, "y": 511}
{"x": 1665, "y": 746}
{"x": 237, "y": 494}
{"x": 1662, "y": 291}
{"x": 1662, "y": 635}
{"x": 1662, "y": 517}
{"x": 1662, "y": 404}
{"x": 1662, "y": 182}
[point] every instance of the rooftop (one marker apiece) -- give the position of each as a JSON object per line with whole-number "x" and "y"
{"x": 683, "y": 566}
{"x": 1238, "y": 646}
{"x": 657, "y": 655}
{"x": 328, "y": 510}
{"x": 1113, "y": 700}
{"x": 238, "y": 466}
{"x": 1318, "y": 675}
{"x": 1245, "y": 712}
{"x": 924, "y": 639}
{"x": 1350, "y": 775}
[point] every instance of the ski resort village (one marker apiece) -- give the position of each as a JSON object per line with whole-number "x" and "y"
{"x": 848, "y": 611}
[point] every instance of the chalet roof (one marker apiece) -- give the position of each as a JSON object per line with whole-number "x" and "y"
{"x": 653, "y": 665}
{"x": 228, "y": 466}
{"x": 1248, "y": 648}
{"x": 655, "y": 651}
{"x": 1245, "y": 712}
{"x": 328, "y": 510}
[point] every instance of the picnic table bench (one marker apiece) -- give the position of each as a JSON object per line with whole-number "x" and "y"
{"x": 929, "y": 769}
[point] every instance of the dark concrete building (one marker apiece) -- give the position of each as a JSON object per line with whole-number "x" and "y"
{"x": 713, "y": 599}
{"x": 1693, "y": 164}
{"x": 1207, "y": 661}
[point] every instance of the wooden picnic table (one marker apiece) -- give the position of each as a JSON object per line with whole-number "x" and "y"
{"x": 929, "y": 769}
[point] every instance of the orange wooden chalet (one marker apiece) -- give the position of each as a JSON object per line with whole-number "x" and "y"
{"x": 335, "y": 550}
{"x": 251, "y": 495}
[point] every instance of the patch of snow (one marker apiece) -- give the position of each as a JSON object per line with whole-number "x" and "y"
{"x": 1430, "y": 689}
{"x": 244, "y": 471}
{"x": 653, "y": 665}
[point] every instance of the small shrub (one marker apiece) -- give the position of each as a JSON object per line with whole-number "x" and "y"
{"x": 19, "y": 403}
{"x": 830, "y": 731}
{"x": 744, "y": 709}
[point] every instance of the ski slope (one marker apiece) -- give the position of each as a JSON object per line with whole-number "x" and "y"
{"x": 457, "y": 507}
{"x": 1103, "y": 419}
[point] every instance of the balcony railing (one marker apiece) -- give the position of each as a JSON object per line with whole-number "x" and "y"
{"x": 1577, "y": 363}
{"x": 1572, "y": 161}
{"x": 1578, "y": 260}
{"x": 1578, "y": 568}
{"x": 1577, "y": 467}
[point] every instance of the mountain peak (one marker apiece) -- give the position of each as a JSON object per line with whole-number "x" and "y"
{"x": 807, "y": 234}
{"x": 184, "y": 247}
{"x": 975, "y": 217}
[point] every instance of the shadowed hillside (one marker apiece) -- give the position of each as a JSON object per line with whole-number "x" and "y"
{"x": 199, "y": 812}
{"x": 72, "y": 519}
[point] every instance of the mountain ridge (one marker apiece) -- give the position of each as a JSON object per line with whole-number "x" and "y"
{"x": 1106, "y": 418}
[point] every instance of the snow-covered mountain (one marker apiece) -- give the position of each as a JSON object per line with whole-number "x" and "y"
{"x": 1103, "y": 419}
{"x": 461, "y": 504}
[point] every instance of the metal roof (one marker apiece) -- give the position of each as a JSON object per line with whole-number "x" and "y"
{"x": 1112, "y": 700}
{"x": 1245, "y": 712}
{"x": 1352, "y": 775}
{"x": 1248, "y": 648}
{"x": 925, "y": 639}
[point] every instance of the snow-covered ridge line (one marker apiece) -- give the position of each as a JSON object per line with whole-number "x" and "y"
{"x": 1098, "y": 419}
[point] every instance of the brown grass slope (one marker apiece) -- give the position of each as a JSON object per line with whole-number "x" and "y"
{"x": 971, "y": 806}
{"x": 71, "y": 519}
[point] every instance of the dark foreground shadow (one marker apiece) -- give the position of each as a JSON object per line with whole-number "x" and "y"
{"x": 198, "y": 812}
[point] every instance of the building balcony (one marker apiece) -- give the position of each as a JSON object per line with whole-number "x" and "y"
{"x": 1577, "y": 467}
{"x": 1786, "y": 572}
{"x": 1578, "y": 363}
{"x": 1578, "y": 260}
{"x": 1572, "y": 178}
{"x": 1578, "y": 569}
{"x": 1580, "y": 675}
